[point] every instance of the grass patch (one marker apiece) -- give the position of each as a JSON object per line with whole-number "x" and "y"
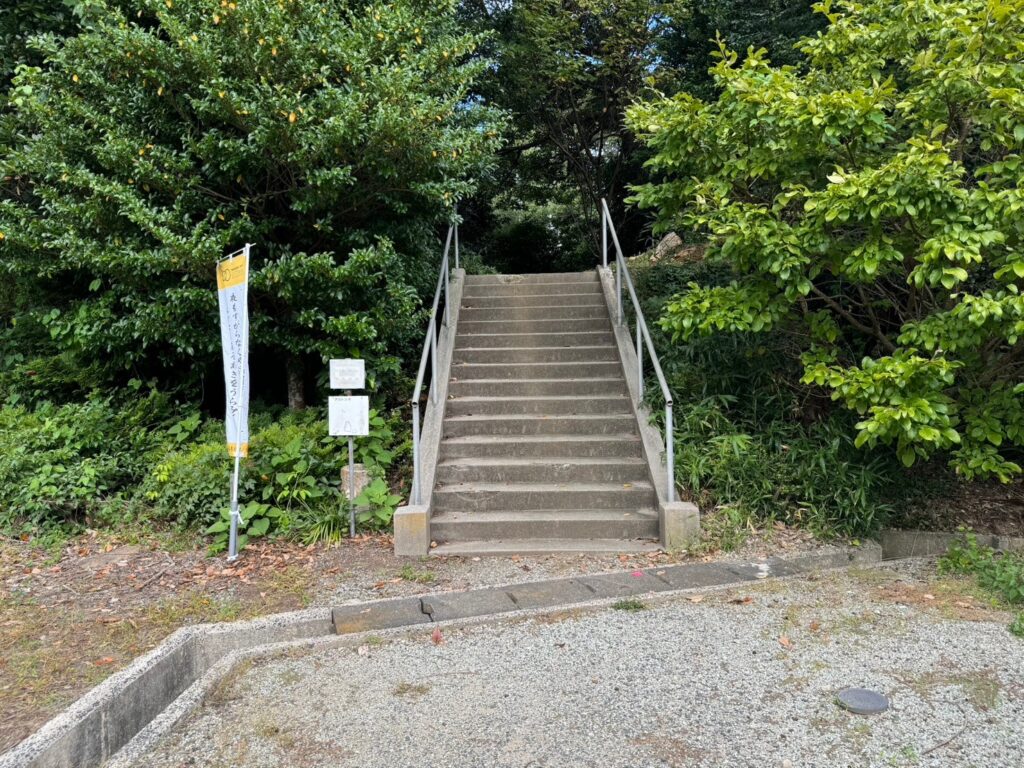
{"x": 981, "y": 689}
{"x": 630, "y": 604}
{"x": 193, "y": 608}
{"x": 412, "y": 690}
{"x": 408, "y": 573}
{"x": 999, "y": 573}
{"x": 293, "y": 584}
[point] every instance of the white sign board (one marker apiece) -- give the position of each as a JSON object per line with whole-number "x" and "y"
{"x": 348, "y": 374}
{"x": 348, "y": 416}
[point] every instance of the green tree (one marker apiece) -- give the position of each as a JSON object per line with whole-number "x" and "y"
{"x": 566, "y": 71}
{"x": 870, "y": 205}
{"x": 689, "y": 38}
{"x": 333, "y": 135}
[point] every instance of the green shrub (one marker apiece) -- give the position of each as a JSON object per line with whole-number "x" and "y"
{"x": 62, "y": 464}
{"x": 1001, "y": 573}
{"x": 867, "y": 206}
{"x": 290, "y": 483}
{"x": 745, "y": 439}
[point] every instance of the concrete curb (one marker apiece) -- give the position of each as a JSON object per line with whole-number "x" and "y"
{"x": 103, "y": 721}
{"x": 897, "y": 544}
{"x": 121, "y": 718}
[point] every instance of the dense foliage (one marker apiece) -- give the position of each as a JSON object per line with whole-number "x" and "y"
{"x": 868, "y": 208}
{"x": 333, "y": 136}
{"x": 102, "y": 462}
{"x": 752, "y": 449}
{"x": 565, "y": 72}
{"x": 860, "y": 192}
{"x": 21, "y": 20}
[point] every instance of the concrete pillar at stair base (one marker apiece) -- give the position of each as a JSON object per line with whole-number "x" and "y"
{"x": 680, "y": 524}
{"x": 412, "y": 531}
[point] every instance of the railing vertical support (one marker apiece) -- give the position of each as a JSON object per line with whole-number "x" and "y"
{"x": 415, "y": 452}
{"x": 619, "y": 266}
{"x": 670, "y": 461}
{"x": 639, "y": 365}
{"x": 433, "y": 359}
{"x": 604, "y": 238}
{"x": 447, "y": 314}
{"x": 456, "y": 244}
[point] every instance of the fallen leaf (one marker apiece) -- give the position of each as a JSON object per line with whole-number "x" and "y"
{"x": 637, "y": 574}
{"x": 815, "y": 625}
{"x": 436, "y": 636}
{"x": 742, "y": 600}
{"x": 926, "y": 596}
{"x": 363, "y": 650}
{"x": 785, "y": 642}
{"x": 104, "y": 661}
{"x": 695, "y": 598}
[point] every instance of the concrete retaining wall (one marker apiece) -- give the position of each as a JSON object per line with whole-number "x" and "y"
{"x": 897, "y": 544}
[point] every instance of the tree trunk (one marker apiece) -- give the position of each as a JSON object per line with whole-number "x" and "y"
{"x": 296, "y": 372}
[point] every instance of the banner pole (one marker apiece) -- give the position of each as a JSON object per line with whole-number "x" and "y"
{"x": 233, "y": 538}
{"x": 233, "y": 535}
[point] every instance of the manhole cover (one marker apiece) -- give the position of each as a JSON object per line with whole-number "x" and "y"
{"x": 861, "y": 701}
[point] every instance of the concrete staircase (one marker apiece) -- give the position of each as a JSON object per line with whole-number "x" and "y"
{"x": 540, "y": 448}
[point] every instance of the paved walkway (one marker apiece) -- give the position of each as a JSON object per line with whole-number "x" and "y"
{"x": 738, "y": 678}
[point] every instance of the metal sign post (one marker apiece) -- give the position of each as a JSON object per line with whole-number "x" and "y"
{"x": 349, "y": 416}
{"x": 351, "y": 485}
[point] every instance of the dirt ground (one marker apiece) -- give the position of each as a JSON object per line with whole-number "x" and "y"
{"x": 70, "y": 618}
{"x": 984, "y": 507}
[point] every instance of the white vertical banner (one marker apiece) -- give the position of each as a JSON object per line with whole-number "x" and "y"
{"x": 233, "y": 296}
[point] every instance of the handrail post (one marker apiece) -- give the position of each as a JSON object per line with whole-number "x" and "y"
{"x": 670, "y": 462}
{"x": 433, "y": 359}
{"x": 415, "y": 452}
{"x": 456, "y": 241}
{"x": 620, "y": 264}
{"x": 639, "y": 365}
{"x": 447, "y": 314}
{"x": 604, "y": 236}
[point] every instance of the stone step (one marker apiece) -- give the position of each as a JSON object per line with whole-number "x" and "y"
{"x": 506, "y": 547}
{"x": 540, "y": 446}
{"x": 486, "y": 497}
{"x": 569, "y": 370}
{"x": 596, "y": 313}
{"x": 589, "y": 338}
{"x": 592, "y": 298}
{"x": 537, "y": 387}
{"x": 592, "y": 287}
{"x": 590, "y": 276}
{"x": 460, "y": 426}
{"x": 601, "y": 353}
{"x": 486, "y": 325}
{"x": 566, "y": 405}
{"x": 544, "y": 524}
{"x": 562, "y": 469}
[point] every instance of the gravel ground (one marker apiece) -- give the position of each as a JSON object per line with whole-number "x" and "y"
{"x": 722, "y": 678}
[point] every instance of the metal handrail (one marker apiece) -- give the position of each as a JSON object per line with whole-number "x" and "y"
{"x": 622, "y": 275}
{"x": 430, "y": 353}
